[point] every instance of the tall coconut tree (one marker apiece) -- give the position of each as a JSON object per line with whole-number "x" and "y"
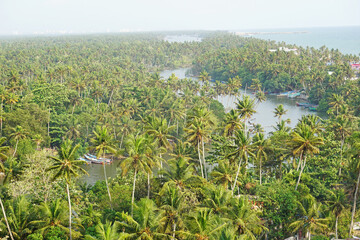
{"x": 232, "y": 123}
{"x": 203, "y": 224}
{"x": 262, "y": 148}
{"x": 246, "y": 108}
{"x": 102, "y": 143}
{"x": 336, "y": 101}
{"x": 337, "y": 205}
{"x": 160, "y": 131}
{"x": 355, "y": 152}
{"x": 241, "y": 149}
{"x": 309, "y": 217}
{"x": 246, "y": 223}
{"x": 198, "y": 132}
{"x": 137, "y": 161}
{"x": 199, "y": 128}
{"x": 144, "y": 224}
{"x": 173, "y": 207}
{"x": 17, "y": 134}
{"x": 3, "y": 156}
{"x": 280, "y": 111}
{"x": 67, "y": 167}
{"x": 304, "y": 141}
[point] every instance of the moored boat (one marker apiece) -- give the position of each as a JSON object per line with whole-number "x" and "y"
{"x": 94, "y": 159}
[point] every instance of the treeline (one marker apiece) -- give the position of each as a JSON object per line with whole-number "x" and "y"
{"x": 281, "y": 67}
{"x": 186, "y": 169}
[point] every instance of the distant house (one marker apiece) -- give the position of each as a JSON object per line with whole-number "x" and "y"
{"x": 355, "y": 66}
{"x": 285, "y": 49}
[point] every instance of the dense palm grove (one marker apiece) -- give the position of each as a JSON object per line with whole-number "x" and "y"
{"x": 186, "y": 168}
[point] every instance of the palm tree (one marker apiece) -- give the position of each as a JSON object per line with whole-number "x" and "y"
{"x": 67, "y": 167}
{"x": 204, "y": 77}
{"x": 198, "y": 130}
{"x": 179, "y": 170}
{"x": 107, "y": 231}
{"x": 52, "y": 214}
{"x": 232, "y": 122}
{"x": 172, "y": 205}
{"x": 262, "y": 146}
{"x": 197, "y": 133}
{"x": 241, "y": 149}
{"x": 217, "y": 199}
{"x": 336, "y": 101}
{"x": 2, "y": 169}
{"x": 222, "y": 174}
{"x": 310, "y": 220}
{"x": 337, "y": 205}
{"x": 19, "y": 214}
{"x": 159, "y": 130}
{"x": 280, "y": 111}
{"x": 38, "y": 139}
{"x": 102, "y": 143}
{"x": 3, "y": 149}
{"x": 355, "y": 151}
{"x": 343, "y": 126}
{"x": 145, "y": 222}
{"x": 203, "y": 224}
{"x": 18, "y": 134}
{"x": 304, "y": 142}
{"x": 136, "y": 148}
{"x": 246, "y": 224}
{"x": 245, "y": 107}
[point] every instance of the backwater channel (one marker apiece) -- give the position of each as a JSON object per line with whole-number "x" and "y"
{"x": 264, "y": 115}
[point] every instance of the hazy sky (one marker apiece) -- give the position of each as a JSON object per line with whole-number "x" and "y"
{"x": 31, "y": 16}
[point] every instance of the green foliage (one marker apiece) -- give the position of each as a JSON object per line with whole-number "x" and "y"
{"x": 55, "y": 233}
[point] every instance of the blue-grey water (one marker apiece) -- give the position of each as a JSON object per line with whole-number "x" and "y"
{"x": 346, "y": 39}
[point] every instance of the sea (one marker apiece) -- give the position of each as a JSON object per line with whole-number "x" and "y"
{"x": 346, "y": 39}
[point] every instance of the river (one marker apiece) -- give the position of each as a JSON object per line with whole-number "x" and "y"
{"x": 264, "y": 115}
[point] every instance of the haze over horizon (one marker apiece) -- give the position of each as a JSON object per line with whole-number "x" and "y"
{"x": 94, "y": 16}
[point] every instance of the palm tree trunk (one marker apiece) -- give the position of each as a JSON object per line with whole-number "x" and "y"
{"x": 336, "y": 227}
{"x": 203, "y": 153}
{"x": 300, "y": 160}
{"x": 201, "y": 167}
{"x": 174, "y": 229}
{"x": 73, "y": 109}
{"x": 341, "y": 155}
{"x": 309, "y": 235}
{"x": 177, "y": 127}
{"x": 16, "y": 145}
{"x": 237, "y": 174}
{"x": 6, "y": 221}
{"x": 48, "y": 124}
{"x": 148, "y": 185}
{"x": 133, "y": 194}
{"x": 302, "y": 169}
{"x": 122, "y": 138}
{"x": 1, "y": 119}
{"x": 107, "y": 185}
{"x": 260, "y": 170}
{"x": 354, "y": 206}
{"x": 112, "y": 92}
{"x": 68, "y": 193}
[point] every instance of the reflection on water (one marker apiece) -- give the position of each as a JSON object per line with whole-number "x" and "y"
{"x": 264, "y": 115}
{"x": 96, "y": 172}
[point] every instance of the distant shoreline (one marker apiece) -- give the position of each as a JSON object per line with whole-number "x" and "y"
{"x": 267, "y": 33}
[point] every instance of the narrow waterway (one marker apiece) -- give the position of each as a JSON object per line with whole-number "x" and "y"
{"x": 264, "y": 111}
{"x": 264, "y": 115}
